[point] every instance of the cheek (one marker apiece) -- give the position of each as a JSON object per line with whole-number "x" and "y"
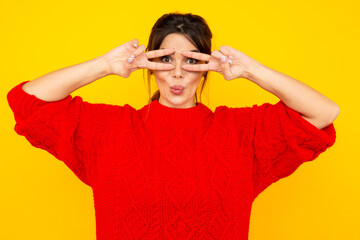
{"x": 195, "y": 76}
{"x": 160, "y": 78}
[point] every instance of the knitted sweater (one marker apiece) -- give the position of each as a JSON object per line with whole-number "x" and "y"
{"x": 174, "y": 173}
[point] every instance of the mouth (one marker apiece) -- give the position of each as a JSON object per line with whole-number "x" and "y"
{"x": 177, "y": 89}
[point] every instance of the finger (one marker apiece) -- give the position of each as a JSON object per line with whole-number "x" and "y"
{"x": 131, "y": 58}
{"x": 159, "y": 53}
{"x": 197, "y": 55}
{"x": 139, "y": 50}
{"x": 226, "y": 50}
{"x": 225, "y": 66}
{"x": 229, "y": 52}
{"x": 159, "y": 66}
{"x": 134, "y": 42}
{"x": 196, "y": 67}
{"x": 217, "y": 54}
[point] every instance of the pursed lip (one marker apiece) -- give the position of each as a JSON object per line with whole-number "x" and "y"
{"x": 177, "y": 87}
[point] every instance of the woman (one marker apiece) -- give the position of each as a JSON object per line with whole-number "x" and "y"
{"x": 174, "y": 169}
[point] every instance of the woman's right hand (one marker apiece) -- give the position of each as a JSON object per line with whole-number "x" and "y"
{"x": 128, "y": 57}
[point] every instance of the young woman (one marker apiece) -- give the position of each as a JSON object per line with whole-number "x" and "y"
{"x": 174, "y": 169}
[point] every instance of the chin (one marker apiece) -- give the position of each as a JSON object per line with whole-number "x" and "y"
{"x": 176, "y": 101}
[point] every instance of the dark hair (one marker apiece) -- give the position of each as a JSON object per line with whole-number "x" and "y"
{"x": 193, "y": 27}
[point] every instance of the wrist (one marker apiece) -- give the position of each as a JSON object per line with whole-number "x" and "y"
{"x": 263, "y": 76}
{"x": 103, "y": 66}
{"x": 252, "y": 71}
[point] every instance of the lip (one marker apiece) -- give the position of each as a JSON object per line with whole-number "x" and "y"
{"x": 177, "y": 87}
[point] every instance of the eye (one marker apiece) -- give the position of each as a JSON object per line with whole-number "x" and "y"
{"x": 193, "y": 60}
{"x": 165, "y": 57}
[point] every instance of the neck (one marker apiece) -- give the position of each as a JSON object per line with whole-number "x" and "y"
{"x": 189, "y": 104}
{"x": 158, "y": 112}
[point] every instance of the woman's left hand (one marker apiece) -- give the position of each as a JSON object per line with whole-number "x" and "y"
{"x": 230, "y": 62}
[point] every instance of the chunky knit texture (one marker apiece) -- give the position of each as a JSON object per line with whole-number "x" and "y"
{"x": 177, "y": 174}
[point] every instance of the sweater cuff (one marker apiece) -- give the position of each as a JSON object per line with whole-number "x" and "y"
{"x": 321, "y": 138}
{"x": 22, "y": 103}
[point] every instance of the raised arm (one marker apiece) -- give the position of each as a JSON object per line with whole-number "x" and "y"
{"x": 59, "y": 84}
{"x": 231, "y": 63}
{"x": 311, "y": 104}
{"x": 67, "y": 127}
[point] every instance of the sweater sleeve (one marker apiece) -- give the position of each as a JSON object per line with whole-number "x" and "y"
{"x": 64, "y": 128}
{"x": 283, "y": 140}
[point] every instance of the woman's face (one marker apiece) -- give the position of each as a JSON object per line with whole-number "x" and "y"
{"x": 166, "y": 79}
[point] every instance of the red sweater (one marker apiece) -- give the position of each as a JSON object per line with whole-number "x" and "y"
{"x": 181, "y": 174}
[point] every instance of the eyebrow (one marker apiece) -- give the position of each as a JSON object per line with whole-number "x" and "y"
{"x": 194, "y": 50}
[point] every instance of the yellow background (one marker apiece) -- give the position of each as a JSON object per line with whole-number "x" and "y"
{"x": 316, "y": 42}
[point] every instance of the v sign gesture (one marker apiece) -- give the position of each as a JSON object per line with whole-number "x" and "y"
{"x": 230, "y": 62}
{"x": 129, "y": 57}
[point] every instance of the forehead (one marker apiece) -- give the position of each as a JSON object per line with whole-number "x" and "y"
{"x": 177, "y": 41}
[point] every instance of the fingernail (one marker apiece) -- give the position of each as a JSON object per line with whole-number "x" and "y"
{"x": 131, "y": 58}
{"x": 231, "y": 57}
{"x": 230, "y": 61}
{"x": 223, "y": 59}
{"x": 135, "y": 44}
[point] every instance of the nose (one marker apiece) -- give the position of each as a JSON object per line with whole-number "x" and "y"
{"x": 178, "y": 72}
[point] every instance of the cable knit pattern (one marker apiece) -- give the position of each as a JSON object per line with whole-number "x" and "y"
{"x": 172, "y": 173}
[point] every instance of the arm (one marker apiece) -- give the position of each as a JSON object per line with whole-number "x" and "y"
{"x": 122, "y": 61}
{"x": 317, "y": 109}
{"x": 311, "y": 104}
{"x": 58, "y": 84}
{"x": 62, "y": 128}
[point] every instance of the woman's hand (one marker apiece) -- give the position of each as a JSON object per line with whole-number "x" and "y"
{"x": 128, "y": 57}
{"x": 230, "y": 62}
